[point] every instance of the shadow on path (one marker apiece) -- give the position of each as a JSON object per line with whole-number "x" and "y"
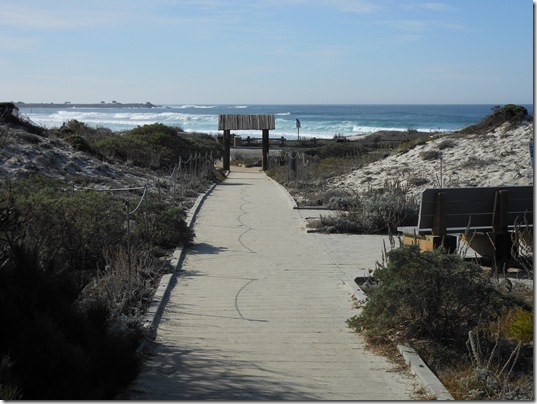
{"x": 204, "y": 248}
{"x": 192, "y": 375}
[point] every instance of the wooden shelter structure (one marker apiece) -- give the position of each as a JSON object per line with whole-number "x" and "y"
{"x": 227, "y": 123}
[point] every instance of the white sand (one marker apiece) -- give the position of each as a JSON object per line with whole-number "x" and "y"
{"x": 500, "y": 157}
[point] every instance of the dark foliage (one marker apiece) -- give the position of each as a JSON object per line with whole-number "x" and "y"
{"x": 58, "y": 351}
{"x": 157, "y": 146}
{"x": 70, "y": 315}
{"x": 338, "y": 150}
{"x": 9, "y": 114}
{"x": 165, "y": 226}
{"x": 430, "y": 295}
{"x": 376, "y": 211}
{"x": 514, "y": 114}
{"x": 69, "y": 229}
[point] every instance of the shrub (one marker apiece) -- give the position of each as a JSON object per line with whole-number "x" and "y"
{"x": 81, "y": 136}
{"x": 406, "y": 146}
{"x": 338, "y": 150}
{"x": 521, "y": 326}
{"x": 55, "y": 349}
{"x": 429, "y": 295}
{"x": 475, "y": 162}
{"x": 157, "y": 146}
{"x": 79, "y": 143}
{"x": 69, "y": 229}
{"x": 446, "y": 144}
{"x": 166, "y": 226}
{"x": 418, "y": 181}
{"x": 375, "y": 211}
{"x": 66, "y": 337}
{"x": 9, "y": 113}
{"x": 513, "y": 114}
{"x": 126, "y": 148}
{"x": 430, "y": 155}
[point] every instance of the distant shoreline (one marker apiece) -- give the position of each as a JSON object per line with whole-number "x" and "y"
{"x": 96, "y": 105}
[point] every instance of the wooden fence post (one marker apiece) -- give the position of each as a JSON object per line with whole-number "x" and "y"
{"x": 265, "y": 149}
{"x": 502, "y": 239}
{"x": 227, "y": 146}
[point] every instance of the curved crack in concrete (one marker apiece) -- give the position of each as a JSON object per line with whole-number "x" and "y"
{"x": 244, "y": 224}
{"x": 237, "y": 302}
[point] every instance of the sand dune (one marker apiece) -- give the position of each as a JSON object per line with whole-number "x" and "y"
{"x": 500, "y": 157}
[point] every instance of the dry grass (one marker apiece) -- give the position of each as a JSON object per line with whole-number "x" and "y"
{"x": 467, "y": 382}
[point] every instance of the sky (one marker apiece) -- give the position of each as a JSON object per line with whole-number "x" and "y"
{"x": 267, "y": 51}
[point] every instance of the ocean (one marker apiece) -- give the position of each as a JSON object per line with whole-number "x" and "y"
{"x": 320, "y": 121}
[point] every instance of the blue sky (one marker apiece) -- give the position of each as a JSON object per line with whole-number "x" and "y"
{"x": 267, "y": 51}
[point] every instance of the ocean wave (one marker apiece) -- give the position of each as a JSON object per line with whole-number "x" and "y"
{"x": 361, "y": 130}
{"x": 194, "y": 106}
{"x": 317, "y": 121}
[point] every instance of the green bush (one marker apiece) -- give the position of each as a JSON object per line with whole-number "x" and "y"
{"x": 521, "y": 326}
{"x": 157, "y": 146}
{"x": 446, "y": 144}
{"x": 68, "y": 333}
{"x": 513, "y": 114}
{"x": 55, "y": 349}
{"x": 9, "y": 113}
{"x": 406, "y": 146}
{"x": 68, "y": 228}
{"x": 338, "y": 150}
{"x": 166, "y": 225}
{"x": 79, "y": 143}
{"x": 127, "y": 149}
{"x": 375, "y": 211}
{"x": 81, "y": 136}
{"x": 430, "y": 155}
{"x": 430, "y": 295}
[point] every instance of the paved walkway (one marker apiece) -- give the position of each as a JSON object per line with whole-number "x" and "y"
{"x": 259, "y": 307}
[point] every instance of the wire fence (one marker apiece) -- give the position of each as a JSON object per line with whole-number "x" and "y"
{"x": 305, "y": 175}
{"x": 188, "y": 178}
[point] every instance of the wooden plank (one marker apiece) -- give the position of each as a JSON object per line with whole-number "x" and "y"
{"x": 473, "y": 201}
{"x": 521, "y": 209}
{"x": 430, "y": 243}
{"x": 475, "y": 220}
{"x": 246, "y": 122}
{"x": 516, "y": 192}
{"x": 474, "y": 194}
{"x": 440, "y": 214}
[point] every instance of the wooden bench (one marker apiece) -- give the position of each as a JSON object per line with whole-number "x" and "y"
{"x": 484, "y": 216}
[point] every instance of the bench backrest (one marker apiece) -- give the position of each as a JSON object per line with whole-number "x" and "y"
{"x": 478, "y": 208}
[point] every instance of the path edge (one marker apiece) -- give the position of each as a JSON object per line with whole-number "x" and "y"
{"x": 411, "y": 357}
{"x": 167, "y": 282}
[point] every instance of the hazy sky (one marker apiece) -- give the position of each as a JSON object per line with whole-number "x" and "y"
{"x": 267, "y": 51}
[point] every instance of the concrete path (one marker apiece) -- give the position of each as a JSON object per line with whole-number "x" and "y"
{"x": 259, "y": 307}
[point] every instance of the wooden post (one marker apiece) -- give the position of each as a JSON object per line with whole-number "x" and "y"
{"x": 292, "y": 163}
{"x": 439, "y": 224}
{"x": 265, "y": 142}
{"x": 227, "y": 147}
{"x": 129, "y": 238}
{"x": 500, "y": 211}
{"x": 440, "y": 236}
{"x": 502, "y": 240}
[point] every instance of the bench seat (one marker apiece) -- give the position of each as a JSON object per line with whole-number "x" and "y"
{"x": 480, "y": 214}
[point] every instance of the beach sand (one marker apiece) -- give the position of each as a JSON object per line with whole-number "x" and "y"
{"x": 500, "y": 157}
